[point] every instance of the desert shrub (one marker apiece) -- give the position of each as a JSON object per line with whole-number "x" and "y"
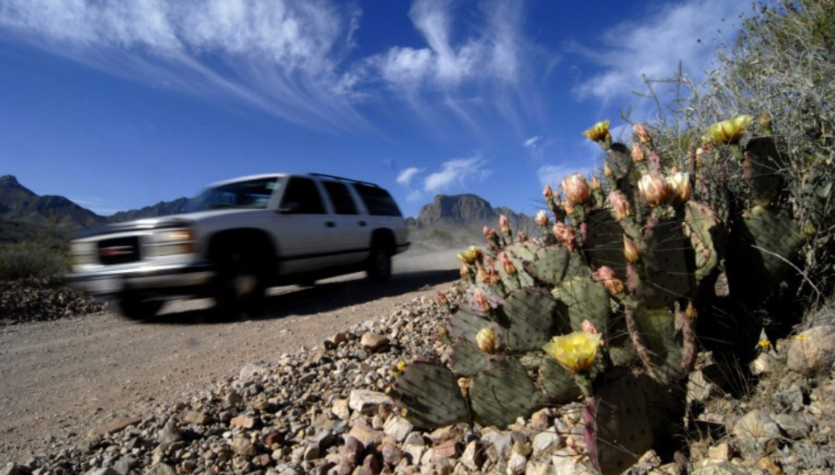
{"x": 35, "y": 259}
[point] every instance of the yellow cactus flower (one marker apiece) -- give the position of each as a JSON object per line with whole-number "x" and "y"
{"x": 599, "y": 132}
{"x": 398, "y": 368}
{"x": 575, "y": 352}
{"x": 486, "y": 339}
{"x": 727, "y": 132}
{"x": 764, "y": 343}
{"x": 801, "y": 337}
{"x": 470, "y": 256}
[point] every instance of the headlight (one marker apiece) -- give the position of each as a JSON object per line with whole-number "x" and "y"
{"x": 83, "y": 253}
{"x": 174, "y": 241}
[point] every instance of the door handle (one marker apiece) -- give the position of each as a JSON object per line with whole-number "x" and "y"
{"x": 330, "y": 224}
{"x": 362, "y": 223}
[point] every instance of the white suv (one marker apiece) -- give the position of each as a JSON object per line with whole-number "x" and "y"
{"x": 240, "y": 237}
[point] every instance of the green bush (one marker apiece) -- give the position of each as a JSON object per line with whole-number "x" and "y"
{"x": 33, "y": 259}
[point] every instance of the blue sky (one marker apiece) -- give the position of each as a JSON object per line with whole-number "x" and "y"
{"x": 119, "y": 104}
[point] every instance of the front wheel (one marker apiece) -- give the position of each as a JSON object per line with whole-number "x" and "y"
{"x": 134, "y": 307}
{"x": 379, "y": 265}
{"x": 239, "y": 284}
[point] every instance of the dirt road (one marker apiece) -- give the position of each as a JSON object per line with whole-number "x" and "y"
{"x": 60, "y": 379}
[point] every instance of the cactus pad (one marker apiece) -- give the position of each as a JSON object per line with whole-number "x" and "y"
{"x": 549, "y": 264}
{"x": 706, "y": 235}
{"x": 466, "y": 323}
{"x": 466, "y": 358}
{"x": 557, "y": 383}
{"x": 667, "y": 276}
{"x": 503, "y": 392}
{"x": 430, "y": 395}
{"x": 763, "y": 167}
{"x": 529, "y": 314}
{"x": 585, "y": 299}
{"x": 617, "y": 424}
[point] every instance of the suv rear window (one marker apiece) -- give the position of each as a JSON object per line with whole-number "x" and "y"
{"x": 302, "y": 197}
{"x": 377, "y": 200}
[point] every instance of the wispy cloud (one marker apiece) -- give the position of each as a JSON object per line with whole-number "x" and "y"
{"x": 653, "y": 46}
{"x": 280, "y": 56}
{"x": 405, "y": 177}
{"x": 456, "y": 173}
{"x": 554, "y": 174}
{"x": 532, "y": 142}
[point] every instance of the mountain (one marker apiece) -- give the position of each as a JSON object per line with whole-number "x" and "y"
{"x": 163, "y": 208}
{"x": 467, "y": 211}
{"x": 22, "y": 212}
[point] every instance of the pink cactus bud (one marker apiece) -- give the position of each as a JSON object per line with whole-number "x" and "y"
{"x": 641, "y": 133}
{"x": 609, "y": 279}
{"x": 620, "y": 205}
{"x": 576, "y": 189}
{"x": 548, "y": 192}
{"x": 630, "y": 250}
{"x": 504, "y": 225}
{"x": 490, "y": 276}
{"x": 680, "y": 187}
{"x": 442, "y": 300}
{"x": 655, "y": 189}
{"x": 508, "y": 265}
{"x": 588, "y": 327}
{"x": 542, "y": 219}
{"x": 595, "y": 183}
{"x": 568, "y": 207}
{"x": 481, "y": 301}
{"x": 465, "y": 272}
{"x": 638, "y": 153}
{"x": 566, "y": 235}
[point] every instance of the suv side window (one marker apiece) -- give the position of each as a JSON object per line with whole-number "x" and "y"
{"x": 302, "y": 197}
{"x": 377, "y": 200}
{"x": 341, "y": 198}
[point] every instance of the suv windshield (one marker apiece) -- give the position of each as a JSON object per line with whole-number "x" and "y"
{"x": 253, "y": 194}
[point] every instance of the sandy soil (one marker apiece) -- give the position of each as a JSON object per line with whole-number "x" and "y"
{"x": 60, "y": 379}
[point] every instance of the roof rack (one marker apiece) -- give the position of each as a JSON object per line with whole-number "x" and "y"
{"x": 339, "y": 178}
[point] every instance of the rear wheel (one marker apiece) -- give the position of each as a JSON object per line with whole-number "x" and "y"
{"x": 379, "y": 264}
{"x": 134, "y": 307}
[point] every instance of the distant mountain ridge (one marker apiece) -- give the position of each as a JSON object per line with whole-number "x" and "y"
{"x": 467, "y": 210}
{"x": 24, "y": 215}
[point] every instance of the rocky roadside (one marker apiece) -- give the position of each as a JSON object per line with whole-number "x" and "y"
{"x": 41, "y": 299}
{"x": 325, "y": 411}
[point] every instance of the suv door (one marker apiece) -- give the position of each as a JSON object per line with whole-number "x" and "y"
{"x": 306, "y": 233}
{"x": 352, "y": 227}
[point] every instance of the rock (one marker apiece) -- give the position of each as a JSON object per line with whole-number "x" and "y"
{"x": 102, "y": 471}
{"x": 374, "y": 341}
{"x": 243, "y": 422}
{"x": 234, "y": 398}
{"x": 756, "y": 432}
{"x": 397, "y": 428}
{"x": 371, "y": 466}
{"x": 541, "y": 420}
{"x": 366, "y": 435}
{"x": 312, "y": 452}
{"x": 545, "y": 444}
{"x": 366, "y": 402}
{"x": 351, "y": 451}
{"x": 161, "y": 469}
{"x": 243, "y": 446}
{"x": 15, "y": 469}
{"x": 251, "y": 369}
{"x": 789, "y": 400}
{"x": 722, "y": 452}
{"x": 812, "y": 351}
{"x": 392, "y": 455}
{"x": 540, "y": 468}
{"x": 709, "y": 467}
{"x": 517, "y": 463}
{"x": 497, "y": 445}
{"x": 196, "y": 417}
{"x": 125, "y": 464}
{"x": 446, "y": 450}
{"x": 566, "y": 463}
{"x": 169, "y": 434}
{"x": 115, "y": 426}
{"x": 341, "y": 409}
{"x": 415, "y": 447}
{"x": 795, "y": 426}
{"x": 763, "y": 364}
{"x": 471, "y": 458}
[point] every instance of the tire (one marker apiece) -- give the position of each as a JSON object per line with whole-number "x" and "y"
{"x": 136, "y": 308}
{"x": 379, "y": 265}
{"x": 239, "y": 286}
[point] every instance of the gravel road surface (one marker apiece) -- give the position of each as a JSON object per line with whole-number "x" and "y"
{"x": 60, "y": 379}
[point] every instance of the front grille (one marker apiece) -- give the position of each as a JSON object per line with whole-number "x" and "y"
{"x": 119, "y": 251}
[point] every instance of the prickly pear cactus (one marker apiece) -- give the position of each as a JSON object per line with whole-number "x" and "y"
{"x": 503, "y": 392}
{"x": 531, "y": 316}
{"x": 430, "y": 395}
